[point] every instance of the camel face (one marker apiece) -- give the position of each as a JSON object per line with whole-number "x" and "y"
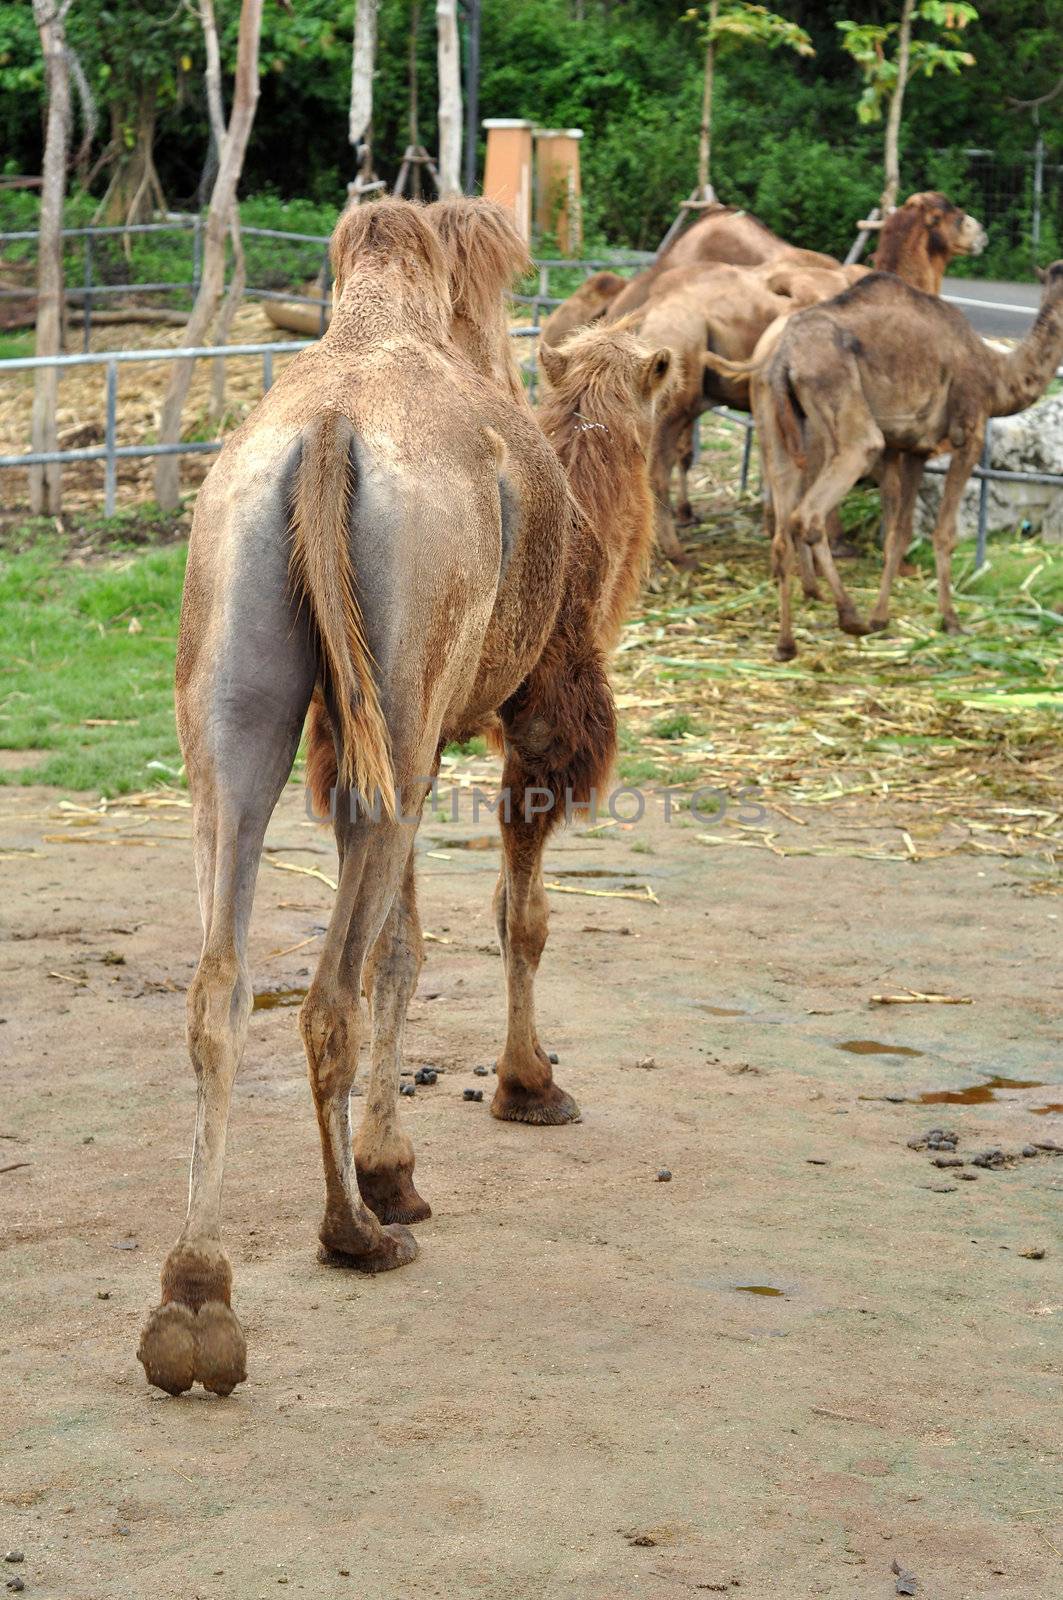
{"x": 599, "y": 371}
{"x": 971, "y": 237}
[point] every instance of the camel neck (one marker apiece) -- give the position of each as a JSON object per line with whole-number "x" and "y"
{"x": 1023, "y": 375}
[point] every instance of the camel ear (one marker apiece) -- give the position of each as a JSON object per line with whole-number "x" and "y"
{"x": 553, "y": 362}
{"x": 1040, "y": 274}
{"x": 655, "y": 370}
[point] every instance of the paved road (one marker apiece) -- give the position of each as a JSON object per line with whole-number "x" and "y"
{"x": 993, "y": 318}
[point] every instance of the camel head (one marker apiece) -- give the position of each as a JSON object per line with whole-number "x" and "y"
{"x": 952, "y": 231}
{"x": 607, "y": 379}
{"x": 589, "y": 302}
{"x": 1051, "y": 280}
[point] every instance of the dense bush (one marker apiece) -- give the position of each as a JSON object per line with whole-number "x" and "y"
{"x": 787, "y": 142}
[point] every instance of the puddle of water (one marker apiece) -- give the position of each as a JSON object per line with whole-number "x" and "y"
{"x": 759, "y": 1288}
{"x": 979, "y": 1094}
{"x": 719, "y": 1011}
{"x": 479, "y": 841}
{"x": 873, "y": 1047}
{"x": 1044, "y": 1111}
{"x": 270, "y": 999}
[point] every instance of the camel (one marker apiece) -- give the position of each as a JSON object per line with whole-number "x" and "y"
{"x": 726, "y": 310}
{"x": 391, "y": 529}
{"x": 921, "y": 238}
{"x": 878, "y": 380}
{"x": 588, "y": 305}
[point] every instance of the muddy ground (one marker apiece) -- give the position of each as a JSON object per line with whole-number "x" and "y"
{"x": 569, "y": 1393}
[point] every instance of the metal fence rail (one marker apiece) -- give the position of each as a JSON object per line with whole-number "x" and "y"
{"x": 111, "y": 452}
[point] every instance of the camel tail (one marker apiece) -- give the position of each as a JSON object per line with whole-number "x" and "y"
{"x": 323, "y": 574}
{"x": 786, "y": 417}
{"x": 736, "y": 370}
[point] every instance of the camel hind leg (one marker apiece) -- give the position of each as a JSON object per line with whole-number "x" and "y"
{"x": 901, "y": 478}
{"x": 373, "y": 859}
{"x": 964, "y": 458}
{"x": 239, "y": 742}
{"x": 843, "y": 441}
{"x": 383, "y": 1152}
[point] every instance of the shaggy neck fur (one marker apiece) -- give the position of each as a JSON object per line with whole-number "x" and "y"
{"x": 605, "y": 463}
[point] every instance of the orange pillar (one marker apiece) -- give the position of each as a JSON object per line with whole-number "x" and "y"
{"x": 508, "y": 168}
{"x": 558, "y": 196}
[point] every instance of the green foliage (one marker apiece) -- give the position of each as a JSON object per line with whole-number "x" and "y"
{"x": 867, "y": 44}
{"x": 739, "y": 22}
{"x": 785, "y": 141}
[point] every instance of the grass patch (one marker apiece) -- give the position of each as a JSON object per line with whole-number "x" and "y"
{"x": 76, "y": 682}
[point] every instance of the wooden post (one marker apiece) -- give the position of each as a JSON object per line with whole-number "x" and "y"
{"x": 508, "y": 168}
{"x": 558, "y": 197}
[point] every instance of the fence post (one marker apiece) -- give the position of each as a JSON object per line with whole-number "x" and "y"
{"x": 197, "y": 252}
{"x": 267, "y": 371}
{"x": 110, "y": 468}
{"x": 1038, "y": 191}
{"x": 87, "y": 308}
{"x": 983, "y": 497}
{"x": 326, "y": 285}
{"x": 747, "y": 449}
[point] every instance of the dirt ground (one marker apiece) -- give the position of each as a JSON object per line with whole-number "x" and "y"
{"x": 569, "y": 1393}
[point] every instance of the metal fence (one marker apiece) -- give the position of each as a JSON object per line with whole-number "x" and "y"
{"x": 111, "y": 452}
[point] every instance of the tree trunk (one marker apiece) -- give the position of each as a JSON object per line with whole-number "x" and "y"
{"x": 449, "y": 55}
{"x": 363, "y": 65}
{"x": 46, "y": 482}
{"x": 472, "y": 91}
{"x": 893, "y": 121}
{"x": 134, "y": 191}
{"x": 216, "y": 112}
{"x": 411, "y": 65}
{"x": 705, "y": 191}
{"x": 212, "y": 280}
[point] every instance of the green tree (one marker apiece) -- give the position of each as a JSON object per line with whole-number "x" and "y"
{"x": 887, "y": 72}
{"x": 735, "y": 22}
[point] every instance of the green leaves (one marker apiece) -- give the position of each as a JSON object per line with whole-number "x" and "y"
{"x": 738, "y": 22}
{"x": 869, "y": 45}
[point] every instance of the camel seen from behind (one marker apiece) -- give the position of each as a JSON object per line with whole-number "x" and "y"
{"x": 391, "y": 530}
{"x": 878, "y": 380}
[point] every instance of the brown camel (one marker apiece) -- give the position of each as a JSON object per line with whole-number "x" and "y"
{"x": 920, "y": 238}
{"x": 391, "y": 526}
{"x": 725, "y": 310}
{"x": 588, "y": 305}
{"x": 877, "y": 381}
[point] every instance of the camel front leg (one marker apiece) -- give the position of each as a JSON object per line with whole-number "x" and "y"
{"x": 526, "y": 1089}
{"x": 383, "y": 1151}
{"x": 902, "y": 475}
{"x": 684, "y": 461}
{"x": 666, "y": 435}
{"x": 964, "y": 458}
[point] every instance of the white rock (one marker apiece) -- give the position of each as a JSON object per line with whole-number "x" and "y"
{"x": 1029, "y": 442}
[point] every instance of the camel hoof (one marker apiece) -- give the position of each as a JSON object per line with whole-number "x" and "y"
{"x": 685, "y": 518}
{"x": 952, "y": 625}
{"x": 785, "y": 650}
{"x": 395, "y": 1249}
{"x": 549, "y": 1107}
{"x": 850, "y": 623}
{"x": 878, "y": 624}
{"x": 221, "y": 1350}
{"x": 167, "y": 1349}
{"x": 179, "y": 1346}
{"x": 390, "y": 1194}
{"x": 811, "y": 591}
